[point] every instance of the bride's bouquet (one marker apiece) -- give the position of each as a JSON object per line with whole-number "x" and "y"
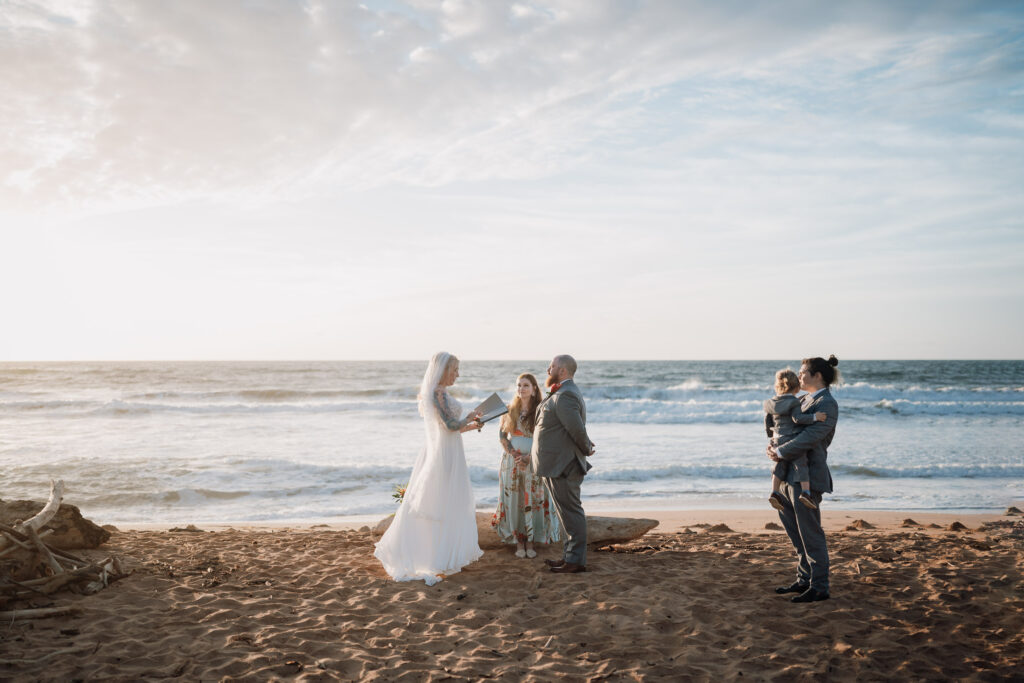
{"x": 399, "y": 493}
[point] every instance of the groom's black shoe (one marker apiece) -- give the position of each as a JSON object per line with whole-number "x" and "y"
{"x": 554, "y": 563}
{"x": 795, "y": 587}
{"x": 810, "y": 595}
{"x": 569, "y": 568}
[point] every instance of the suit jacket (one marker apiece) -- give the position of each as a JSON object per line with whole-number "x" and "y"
{"x": 560, "y": 435}
{"x": 814, "y": 442}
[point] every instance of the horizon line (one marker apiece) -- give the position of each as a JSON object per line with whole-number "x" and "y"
{"x": 478, "y": 360}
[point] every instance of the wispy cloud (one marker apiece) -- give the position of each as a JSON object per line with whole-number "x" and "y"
{"x": 112, "y": 101}
{"x": 342, "y": 151}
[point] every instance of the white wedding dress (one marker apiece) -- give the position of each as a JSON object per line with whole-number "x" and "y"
{"x": 434, "y": 530}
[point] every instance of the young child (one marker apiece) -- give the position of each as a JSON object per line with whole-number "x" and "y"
{"x": 783, "y": 420}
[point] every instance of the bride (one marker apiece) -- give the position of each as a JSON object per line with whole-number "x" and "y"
{"x": 434, "y": 530}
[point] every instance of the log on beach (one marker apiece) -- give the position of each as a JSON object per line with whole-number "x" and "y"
{"x": 601, "y": 531}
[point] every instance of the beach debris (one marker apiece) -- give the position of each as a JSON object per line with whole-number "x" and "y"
{"x": 31, "y": 567}
{"x": 191, "y": 529}
{"x": 601, "y": 531}
{"x": 611, "y": 530}
{"x": 1012, "y": 511}
{"x": 719, "y": 529}
{"x": 36, "y": 613}
{"x": 68, "y": 529}
{"x": 859, "y": 525}
{"x": 772, "y": 526}
{"x": 957, "y": 526}
{"x": 909, "y": 522}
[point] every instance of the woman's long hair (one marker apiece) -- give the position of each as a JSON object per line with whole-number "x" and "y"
{"x": 510, "y": 420}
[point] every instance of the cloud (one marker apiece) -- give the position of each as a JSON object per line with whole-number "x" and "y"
{"x": 118, "y": 102}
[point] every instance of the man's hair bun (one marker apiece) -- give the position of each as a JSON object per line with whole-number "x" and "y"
{"x": 833, "y": 361}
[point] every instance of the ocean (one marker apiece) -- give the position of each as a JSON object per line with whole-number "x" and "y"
{"x": 183, "y": 442}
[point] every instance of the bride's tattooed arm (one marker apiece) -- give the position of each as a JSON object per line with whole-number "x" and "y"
{"x": 447, "y": 412}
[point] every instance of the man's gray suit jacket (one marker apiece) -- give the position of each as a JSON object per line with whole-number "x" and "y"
{"x": 560, "y": 434}
{"x": 814, "y": 442}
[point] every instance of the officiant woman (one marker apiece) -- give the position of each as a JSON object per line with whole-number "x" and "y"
{"x": 524, "y": 515}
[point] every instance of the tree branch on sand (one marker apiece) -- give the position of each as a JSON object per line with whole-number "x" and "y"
{"x": 29, "y": 567}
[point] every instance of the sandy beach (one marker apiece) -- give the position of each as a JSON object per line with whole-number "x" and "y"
{"x": 692, "y": 599}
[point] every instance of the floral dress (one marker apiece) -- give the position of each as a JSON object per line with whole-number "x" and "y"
{"x": 524, "y": 513}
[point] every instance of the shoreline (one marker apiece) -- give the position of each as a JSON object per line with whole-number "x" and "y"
{"x": 669, "y": 521}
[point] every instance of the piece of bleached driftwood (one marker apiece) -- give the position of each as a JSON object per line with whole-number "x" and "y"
{"x": 601, "y": 531}
{"x": 14, "y": 543}
{"x": 51, "y": 584}
{"x": 110, "y": 569}
{"x": 44, "y": 551}
{"x": 19, "y": 541}
{"x": 43, "y": 516}
{"x": 88, "y": 570}
{"x": 48, "y": 511}
{"x": 36, "y": 613}
{"x": 65, "y": 555}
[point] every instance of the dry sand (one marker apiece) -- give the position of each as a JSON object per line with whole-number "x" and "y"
{"x": 684, "y": 602}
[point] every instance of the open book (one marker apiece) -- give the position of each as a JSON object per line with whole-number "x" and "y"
{"x": 491, "y": 408}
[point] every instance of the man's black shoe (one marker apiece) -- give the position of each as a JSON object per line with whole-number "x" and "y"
{"x": 795, "y": 587}
{"x": 810, "y": 595}
{"x": 554, "y": 563}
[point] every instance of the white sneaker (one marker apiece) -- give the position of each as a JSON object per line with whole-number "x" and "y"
{"x": 531, "y": 553}
{"x": 521, "y": 553}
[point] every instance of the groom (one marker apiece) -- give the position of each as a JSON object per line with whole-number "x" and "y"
{"x": 559, "y": 455}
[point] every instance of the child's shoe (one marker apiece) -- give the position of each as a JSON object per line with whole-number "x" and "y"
{"x": 806, "y": 499}
{"x": 777, "y": 501}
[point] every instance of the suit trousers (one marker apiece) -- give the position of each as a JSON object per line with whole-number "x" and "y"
{"x": 803, "y": 525}
{"x": 565, "y": 493}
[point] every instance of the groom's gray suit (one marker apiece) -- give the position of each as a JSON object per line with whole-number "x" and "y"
{"x": 559, "y": 454}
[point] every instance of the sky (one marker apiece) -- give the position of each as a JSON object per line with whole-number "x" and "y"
{"x": 280, "y": 179}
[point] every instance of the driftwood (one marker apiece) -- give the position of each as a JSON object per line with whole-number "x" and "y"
{"x": 37, "y": 613}
{"x": 33, "y": 567}
{"x": 70, "y": 529}
{"x": 42, "y": 517}
{"x": 601, "y": 531}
